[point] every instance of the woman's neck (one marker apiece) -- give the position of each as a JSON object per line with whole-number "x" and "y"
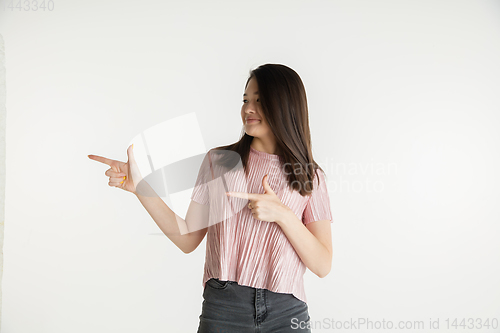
{"x": 266, "y": 147}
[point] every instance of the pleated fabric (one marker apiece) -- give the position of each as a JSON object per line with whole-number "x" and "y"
{"x": 243, "y": 249}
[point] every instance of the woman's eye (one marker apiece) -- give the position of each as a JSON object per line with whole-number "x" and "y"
{"x": 245, "y": 100}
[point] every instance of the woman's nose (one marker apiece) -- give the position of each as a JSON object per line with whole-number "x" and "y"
{"x": 251, "y": 107}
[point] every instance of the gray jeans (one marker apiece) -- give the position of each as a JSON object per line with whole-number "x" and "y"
{"x": 231, "y": 308}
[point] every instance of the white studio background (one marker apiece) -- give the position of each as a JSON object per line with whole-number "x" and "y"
{"x": 404, "y": 112}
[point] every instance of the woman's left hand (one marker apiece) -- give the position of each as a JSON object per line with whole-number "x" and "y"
{"x": 265, "y": 207}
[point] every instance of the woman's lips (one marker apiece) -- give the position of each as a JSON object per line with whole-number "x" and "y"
{"x": 251, "y": 121}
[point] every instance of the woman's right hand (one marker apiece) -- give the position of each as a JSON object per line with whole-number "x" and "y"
{"x": 122, "y": 175}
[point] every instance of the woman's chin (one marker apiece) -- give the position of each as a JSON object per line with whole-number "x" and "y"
{"x": 252, "y": 133}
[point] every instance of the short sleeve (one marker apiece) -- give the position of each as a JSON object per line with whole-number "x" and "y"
{"x": 200, "y": 190}
{"x": 318, "y": 204}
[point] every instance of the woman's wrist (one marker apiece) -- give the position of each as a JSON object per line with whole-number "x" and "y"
{"x": 287, "y": 216}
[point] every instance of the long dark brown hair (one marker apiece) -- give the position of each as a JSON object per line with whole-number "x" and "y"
{"x": 284, "y": 104}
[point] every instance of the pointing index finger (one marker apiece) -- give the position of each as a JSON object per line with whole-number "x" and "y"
{"x": 101, "y": 159}
{"x": 243, "y": 195}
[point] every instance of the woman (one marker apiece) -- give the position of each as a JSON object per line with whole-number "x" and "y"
{"x": 256, "y": 259}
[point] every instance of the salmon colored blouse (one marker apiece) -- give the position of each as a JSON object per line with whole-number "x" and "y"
{"x": 241, "y": 248}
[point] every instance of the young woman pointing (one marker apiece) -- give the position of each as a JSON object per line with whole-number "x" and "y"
{"x": 255, "y": 259}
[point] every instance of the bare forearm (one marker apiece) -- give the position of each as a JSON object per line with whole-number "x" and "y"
{"x": 169, "y": 222}
{"x": 311, "y": 251}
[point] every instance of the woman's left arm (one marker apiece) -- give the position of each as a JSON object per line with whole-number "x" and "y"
{"x": 312, "y": 242}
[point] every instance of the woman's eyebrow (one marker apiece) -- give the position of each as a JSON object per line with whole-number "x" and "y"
{"x": 255, "y": 93}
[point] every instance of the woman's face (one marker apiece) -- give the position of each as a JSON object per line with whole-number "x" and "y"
{"x": 251, "y": 108}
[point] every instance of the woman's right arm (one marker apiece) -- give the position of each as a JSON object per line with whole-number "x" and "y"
{"x": 128, "y": 177}
{"x": 171, "y": 224}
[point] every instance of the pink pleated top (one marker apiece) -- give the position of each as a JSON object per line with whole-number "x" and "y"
{"x": 257, "y": 253}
